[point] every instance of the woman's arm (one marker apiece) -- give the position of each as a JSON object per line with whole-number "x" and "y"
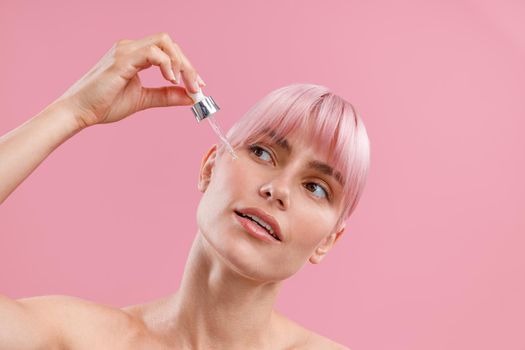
{"x": 109, "y": 92}
{"x": 24, "y": 148}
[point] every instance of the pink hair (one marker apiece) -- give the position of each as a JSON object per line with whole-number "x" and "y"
{"x": 332, "y": 123}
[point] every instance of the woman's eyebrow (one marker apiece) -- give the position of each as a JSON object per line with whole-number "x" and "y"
{"x": 280, "y": 141}
{"x": 313, "y": 164}
{"x": 326, "y": 169}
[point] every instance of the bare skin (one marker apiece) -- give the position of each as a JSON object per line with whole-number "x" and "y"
{"x": 225, "y": 300}
{"x": 63, "y": 322}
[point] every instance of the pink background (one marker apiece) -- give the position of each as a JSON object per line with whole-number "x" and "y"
{"x": 433, "y": 258}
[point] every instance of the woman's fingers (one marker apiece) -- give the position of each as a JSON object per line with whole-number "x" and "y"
{"x": 159, "y": 58}
{"x": 164, "y": 96}
{"x": 130, "y": 59}
{"x": 189, "y": 74}
{"x": 178, "y": 60}
{"x": 175, "y": 54}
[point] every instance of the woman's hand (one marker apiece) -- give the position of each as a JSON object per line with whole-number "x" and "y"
{"x": 111, "y": 90}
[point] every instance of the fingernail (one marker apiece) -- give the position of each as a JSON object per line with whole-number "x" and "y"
{"x": 199, "y": 79}
{"x": 170, "y": 73}
{"x": 177, "y": 78}
{"x": 196, "y": 85}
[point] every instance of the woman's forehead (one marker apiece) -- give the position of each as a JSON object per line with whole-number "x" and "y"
{"x": 296, "y": 141}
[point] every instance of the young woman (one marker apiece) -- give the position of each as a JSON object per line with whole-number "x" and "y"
{"x": 303, "y": 158}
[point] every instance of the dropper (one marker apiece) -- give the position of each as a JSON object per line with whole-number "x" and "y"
{"x": 204, "y": 105}
{"x": 203, "y": 108}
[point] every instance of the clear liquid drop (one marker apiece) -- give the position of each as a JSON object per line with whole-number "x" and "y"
{"x": 218, "y": 131}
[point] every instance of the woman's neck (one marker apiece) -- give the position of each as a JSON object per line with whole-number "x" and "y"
{"x": 218, "y": 308}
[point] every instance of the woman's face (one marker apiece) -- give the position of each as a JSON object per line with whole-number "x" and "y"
{"x": 304, "y": 201}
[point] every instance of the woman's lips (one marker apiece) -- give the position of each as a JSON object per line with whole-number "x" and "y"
{"x": 266, "y": 217}
{"x": 254, "y": 229}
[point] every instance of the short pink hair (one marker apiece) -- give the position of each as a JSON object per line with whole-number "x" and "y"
{"x": 332, "y": 123}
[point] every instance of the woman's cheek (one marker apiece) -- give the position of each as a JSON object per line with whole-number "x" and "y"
{"x": 237, "y": 174}
{"x": 313, "y": 224}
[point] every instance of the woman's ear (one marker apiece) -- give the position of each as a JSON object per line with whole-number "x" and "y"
{"x": 207, "y": 165}
{"x": 326, "y": 245}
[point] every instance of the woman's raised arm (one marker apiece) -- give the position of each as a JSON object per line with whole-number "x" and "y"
{"x": 24, "y": 148}
{"x": 109, "y": 92}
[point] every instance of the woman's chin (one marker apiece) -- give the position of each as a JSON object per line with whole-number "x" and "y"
{"x": 238, "y": 255}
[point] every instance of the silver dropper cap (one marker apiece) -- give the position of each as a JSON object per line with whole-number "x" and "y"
{"x": 204, "y": 105}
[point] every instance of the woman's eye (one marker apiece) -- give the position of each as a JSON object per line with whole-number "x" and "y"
{"x": 255, "y": 150}
{"x": 322, "y": 188}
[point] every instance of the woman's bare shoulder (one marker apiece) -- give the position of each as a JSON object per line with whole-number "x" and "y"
{"x": 74, "y": 307}
{"x": 318, "y": 341}
{"x": 306, "y": 339}
{"x": 77, "y": 318}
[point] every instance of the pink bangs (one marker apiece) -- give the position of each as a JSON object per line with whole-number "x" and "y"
{"x": 331, "y": 123}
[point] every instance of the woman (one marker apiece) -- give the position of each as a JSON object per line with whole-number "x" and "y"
{"x": 302, "y": 162}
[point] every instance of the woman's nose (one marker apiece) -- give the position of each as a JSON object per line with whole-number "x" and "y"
{"x": 277, "y": 193}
